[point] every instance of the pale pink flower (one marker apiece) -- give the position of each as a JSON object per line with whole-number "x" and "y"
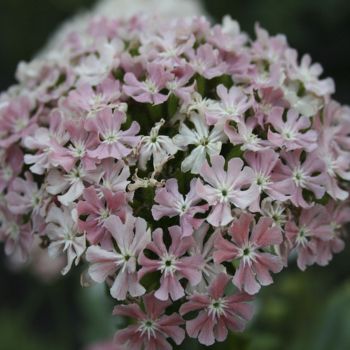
{"x": 262, "y": 163}
{"x": 313, "y": 225}
{"x": 308, "y": 73}
{"x": 243, "y": 134}
{"x": 85, "y": 99}
{"x": 115, "y": 175}
{"x": 268, "y": 99}
{"x": 248, "y": 244}
{"x": 80, "y": 141}
{"x": 228, "y": 36}
{"x": 114, "y": 142}
{"x": 70, "y": 186}
{"x": 172, "y": 263}
{"x": 45, "y": 141}
{"x": 148, "y": 91}
{"x": 217, "y": 312}
{"x": 179, "y": 84}
{"x": 96, "y": 210}
{"x": 290, "y": 133}
{"x": 263, "y": 77}
{"x": 234, "y": 186}
{"x": 11, "y": 162}
{"x": 18, "y": 237}
{"x": 24, "y": 197}
{"x": 65, "y": 238}
{"x": 339, "y": 215}
{"x": 232, "y": 106}
{"x": 131, "y": 238}
{"x": 152, "y": 328}
{"x": 204, "y": 246}
{"x": 16, "y": 121}
{"x": 172, "y": 203}
{"x": 206, "y": 61}
{"x": 96, "y": 66}
{"x": 159, "y": 147}
{"x": 297, "y": 175}
{"x": 207, "y": 143}
{"x": 336, "y": 160}
{"x": 274, "y": 210}
{"x": 269, "y": 48}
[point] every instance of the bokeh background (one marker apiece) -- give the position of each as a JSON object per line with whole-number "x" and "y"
{"x": 301, "y": 311}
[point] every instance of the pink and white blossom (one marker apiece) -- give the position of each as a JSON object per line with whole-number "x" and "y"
{"x": 172, "y": 203}
{"x": 217, "y": 313}
{"x": 206, "y": 142}
{"x": 131, "y": 238}
{"x": 65, "y": 238}
{"x": 172, "y": 263}
{"x": 224, "y": 188}
{"x": 114, "y": 142}
{"x": 152, "y": 328}
{"x": 247, "y": 243}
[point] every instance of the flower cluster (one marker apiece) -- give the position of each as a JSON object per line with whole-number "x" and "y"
{"x": 183, "y": 163}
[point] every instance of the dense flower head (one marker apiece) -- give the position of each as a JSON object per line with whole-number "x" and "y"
{"x": 183, "y": 163}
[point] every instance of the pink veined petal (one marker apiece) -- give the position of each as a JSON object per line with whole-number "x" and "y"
{"x": 244, "y": 279}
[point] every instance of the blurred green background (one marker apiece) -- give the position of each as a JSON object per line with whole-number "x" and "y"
{"x": 301, "y": 311}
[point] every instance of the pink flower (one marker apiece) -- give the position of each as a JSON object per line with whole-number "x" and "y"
{"x": 64, "y": 236}
{"x": 114, "y": 142}
{"x": 204, "y": 246}
{"x": 339, "y": 215}
{"x": 248, "y": 241}
{"x": 313, "y": 225}
{"x": 115, "y": 176}
{"x": 289, "y": 132}
{"x": 45, "y": 142}
{"x": 234, "y": 103}
{"x": 24, "y": 197}
{"x": 297, "y": 175}
{"x": 206, "y": 61}
{"x": 16, "y": 121}
{"x": 148, "y": 91}
{"x": 172, "y": 203}
{"x": 308, "y": 74}
{"x": 11, "y": 162}
{"x": 80, "y": 141}
{"x": 85, "y": 99}
{"x": 160, "y": 147}
{"x": 172, "y": 263}
{"x": 263, "y": 163}
{"x": 179, "y": 84}
{"x": 152, "y": 327}
{"x": 97, "y": 210}
{"x": 234, "y": 186}
{"x": 131, "y": 238}
{"x": 217, "y": 313}
{"x": 206, "y": 142}
{"x": 18, "y": 237}
{"x": 336, "y": 160}
{"x": 245, "y": 136}
{"x": 70, "y": 186}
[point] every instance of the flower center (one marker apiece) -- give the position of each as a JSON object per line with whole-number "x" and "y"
{"x": 303, "y": 234}
{"x": 262, "y": 181}
{"x": 217, "y": 307}
{"x": 151, "y": 86}
{"x": 110, "y": 137}
{"x": 148, "y": 327}
{"x": 168, "y": 265}
{"x": 299, "y": 177}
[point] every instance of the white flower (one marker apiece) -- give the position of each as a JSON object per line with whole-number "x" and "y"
{"x": 207, "y": 142}
{"x": 161, "y": 147}
{"x": 64, "y": 236}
